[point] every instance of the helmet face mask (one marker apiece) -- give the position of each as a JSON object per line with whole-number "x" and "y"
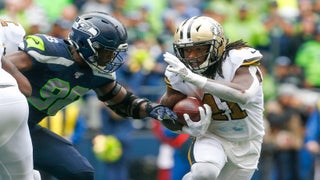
{"x": 99, "y": 38}
{"x": 107, "y": 60}
{"x": 197, "y": 32}
{"x": 198, "y": 60}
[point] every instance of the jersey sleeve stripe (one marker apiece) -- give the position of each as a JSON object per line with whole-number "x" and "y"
{"x": 166, "y": 80}
{"x": 252, "y": 61}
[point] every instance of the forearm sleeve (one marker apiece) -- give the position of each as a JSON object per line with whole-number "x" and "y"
{"x": 230, "y": 94}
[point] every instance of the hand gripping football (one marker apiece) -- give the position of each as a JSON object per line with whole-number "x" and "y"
{"x": 190, "y": 106}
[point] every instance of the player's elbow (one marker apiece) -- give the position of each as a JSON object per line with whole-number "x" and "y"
{"x": 245, "y": 97}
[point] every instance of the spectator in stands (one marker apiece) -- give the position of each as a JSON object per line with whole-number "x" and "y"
{"x": 97, "y": 5}
{"x": 308, "y": 59}
{"x": 179, "y": 143}
{"x": 311, "y": 150}
{"x": 251, "y": 29}
{"x": 280, "y": 31}
{"x": 27, "y": 12}
{"x": 287, "y": 127}
{"x": 285, "y": 71}
{"x": 62, "y": 26}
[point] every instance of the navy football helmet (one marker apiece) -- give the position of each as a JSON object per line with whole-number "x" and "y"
{"x": 99, "y": 38}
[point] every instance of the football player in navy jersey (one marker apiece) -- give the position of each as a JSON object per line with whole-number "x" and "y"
{"x": 54, "y": 72}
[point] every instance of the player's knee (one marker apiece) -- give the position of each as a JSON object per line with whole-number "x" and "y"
{"x": 205, "y": 171}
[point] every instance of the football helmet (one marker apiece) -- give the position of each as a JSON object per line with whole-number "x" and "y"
{"x": 99, "y": 38}
{"x": 200, "y": 31}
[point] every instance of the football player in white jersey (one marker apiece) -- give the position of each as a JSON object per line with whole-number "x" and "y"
{"x": 226, "y": 77}
{"x": 16, "y": 160}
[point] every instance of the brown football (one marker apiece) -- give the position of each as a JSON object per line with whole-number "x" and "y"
{"x": 189, "y": 105}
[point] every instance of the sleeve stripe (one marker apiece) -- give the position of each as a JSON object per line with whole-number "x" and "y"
{"x": 166, "y": 80}
{"x": 251, "y": 62}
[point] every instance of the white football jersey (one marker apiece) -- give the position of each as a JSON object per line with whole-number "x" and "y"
{"x": 231, "y": 121}
{"x": 15, "y": 142}
{"x": 11, "y": 34}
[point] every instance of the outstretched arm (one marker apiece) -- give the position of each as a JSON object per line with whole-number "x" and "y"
{"x": 126, "y": 104}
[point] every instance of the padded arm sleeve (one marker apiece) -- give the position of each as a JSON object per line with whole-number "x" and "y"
{"x": 129, "y": 106}
{"x": 231, "y": 94}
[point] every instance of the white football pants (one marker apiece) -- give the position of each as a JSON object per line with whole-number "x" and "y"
{"x": 16, "y": 159}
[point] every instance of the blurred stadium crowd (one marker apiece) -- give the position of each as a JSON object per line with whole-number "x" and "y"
{"x": 287, "y": 32}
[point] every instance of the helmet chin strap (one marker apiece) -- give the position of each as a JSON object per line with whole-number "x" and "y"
{"x": 101, "y": 67}
{"x": 96, "y": 69}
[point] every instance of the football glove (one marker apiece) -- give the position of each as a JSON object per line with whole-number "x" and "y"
{"x": 198, "y": 128}
{"x": 176, "y": 66}
{"x": 167, "y": 117}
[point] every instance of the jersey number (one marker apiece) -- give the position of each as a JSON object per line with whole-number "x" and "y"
{"x": 55, "y": 95}
{"x": 236, "y": 113}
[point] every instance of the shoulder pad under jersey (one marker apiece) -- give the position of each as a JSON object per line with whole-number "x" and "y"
{"x": 12, "y": 34}
{"x": 46, "y": 48}
{"x": 35, "y": 42}
{"x": 247, "y": 56}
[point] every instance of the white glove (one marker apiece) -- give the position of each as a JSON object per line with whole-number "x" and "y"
{"x": 176, "y": 66}
{"x": 198, "y": 128}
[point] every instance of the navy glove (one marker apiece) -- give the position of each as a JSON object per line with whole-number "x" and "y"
{"x": 165, "y": 115}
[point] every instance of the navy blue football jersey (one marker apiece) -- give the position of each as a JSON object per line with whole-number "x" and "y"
{"x": 56, "y": 79}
